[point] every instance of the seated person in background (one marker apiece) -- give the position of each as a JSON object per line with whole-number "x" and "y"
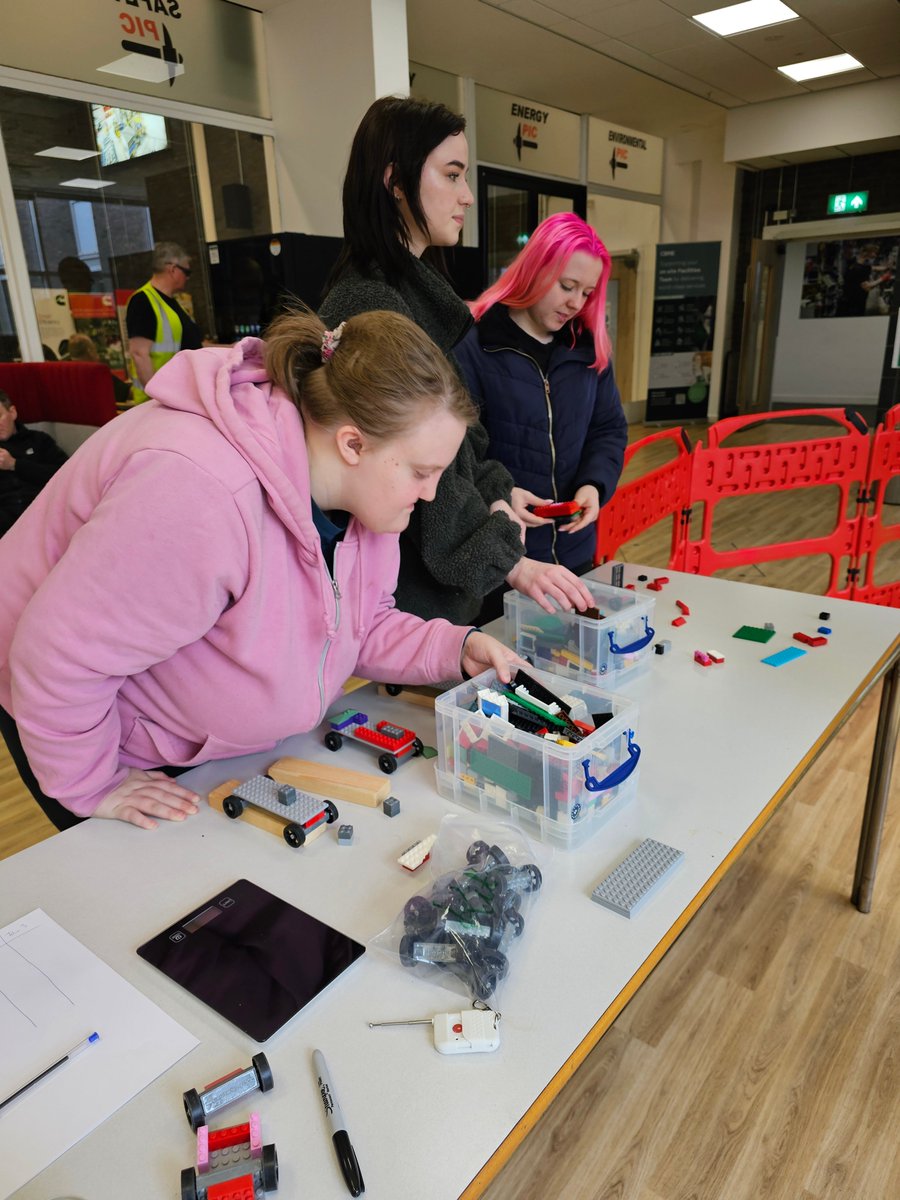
{"x": 538, "y": 364}
{"x": 27, "y": 460}
{"x": 81, "y": 348}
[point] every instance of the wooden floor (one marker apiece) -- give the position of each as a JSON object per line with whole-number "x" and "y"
{"x": 762, "y": 1057}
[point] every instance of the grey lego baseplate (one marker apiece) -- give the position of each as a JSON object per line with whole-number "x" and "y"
{"x": 637, "y": 877}
{"x": 263, "y": 792}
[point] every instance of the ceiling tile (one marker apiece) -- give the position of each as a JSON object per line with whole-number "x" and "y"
{"x": 626, "y": 18}
{"x": 725, "y": 66}
{"x": 777, "y": 45}
{"x": 622, "y": 52}
{"x": 578, "y": 8}
{"x": 876, "y": 47}
{"x": 833, "y": 16}
{"x": 669, "y": 35}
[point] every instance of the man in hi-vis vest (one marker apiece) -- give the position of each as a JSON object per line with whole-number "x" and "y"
{"x": 157, "y": 325}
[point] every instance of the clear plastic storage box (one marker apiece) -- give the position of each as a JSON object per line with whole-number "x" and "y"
{"x": 559, "y": 794}
{"x": 607, "y": 650}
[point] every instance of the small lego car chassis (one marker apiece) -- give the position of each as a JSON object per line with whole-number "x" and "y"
{"x": 393, "y": 743}
{"x": 231, "y": 1162}
{"x": 467, "y": 923}
{"x": 302, "y": 812}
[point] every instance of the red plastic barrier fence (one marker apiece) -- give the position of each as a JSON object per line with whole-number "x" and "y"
{"x": 641, "y": 503}
{"x": 840, "y": 459}
{"x": 884, "y": 465}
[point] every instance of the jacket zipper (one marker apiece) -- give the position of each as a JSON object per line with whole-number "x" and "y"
{"x": 332, "y": 577}
{"x": 546, "y": 382}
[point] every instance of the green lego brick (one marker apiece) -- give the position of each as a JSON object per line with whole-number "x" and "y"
{"x": 753, "y": 633}
{"x": 503, "y": 776}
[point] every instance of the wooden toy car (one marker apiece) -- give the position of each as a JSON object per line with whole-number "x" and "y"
{"x": 300, "y": 815}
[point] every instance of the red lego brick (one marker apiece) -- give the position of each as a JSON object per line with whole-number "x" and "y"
{"x": 234, "y": 1135}
{"x": 655, "y": 586}
{"x": 233, "y": 1189}
{"x": 679, "y": 621}
{"x": 810, "y": 641}
{"x": 683, "y": 608}
{"x": 662, "y": 580}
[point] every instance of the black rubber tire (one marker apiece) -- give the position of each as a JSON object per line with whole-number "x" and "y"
{"x": 294, "y": 835}
{"x": 418, "y": 746}
{"x": 387, "y": 763}
{"x": 233, "y": 806}
{"x": 269, "y": 1168}
{"x": 263, "y": 1072}
{"x": 393, "y": 689}
{"x": 188, "y": 1184}
{"x": 194, "y": 1109}
{"x": 331, "y": 813}
{"x": 333, "y": 740}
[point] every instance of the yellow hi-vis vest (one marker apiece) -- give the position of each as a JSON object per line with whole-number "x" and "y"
{"x": 166, "y": 343}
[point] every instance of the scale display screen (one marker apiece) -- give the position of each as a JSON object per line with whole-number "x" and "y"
{"x": 252, "y": 957}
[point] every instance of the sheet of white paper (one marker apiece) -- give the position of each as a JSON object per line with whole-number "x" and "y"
{"x": 54, "y": 992}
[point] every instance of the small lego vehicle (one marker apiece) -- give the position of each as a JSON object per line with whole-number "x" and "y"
{"x": 392, "y": 742}
{"x": 231, "y": 1162}
{"x": 302, "y": 812}
{"x": 468, "y": 921}
{"x": 562, "y": 510}
{"x": 200, "y": 1106}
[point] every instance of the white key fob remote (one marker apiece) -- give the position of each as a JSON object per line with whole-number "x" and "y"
{"x": 475, "y": 1031}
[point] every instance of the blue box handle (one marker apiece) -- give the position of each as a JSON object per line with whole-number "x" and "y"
{"x": 616, "y": 776}
{"x": 649, "y": 634}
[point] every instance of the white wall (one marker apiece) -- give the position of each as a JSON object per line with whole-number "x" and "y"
{"x": 327, "y": 63}
{"x": 833, "y": 360}
{"x": 699, "y": 202}
{"x": 625, "y": 225}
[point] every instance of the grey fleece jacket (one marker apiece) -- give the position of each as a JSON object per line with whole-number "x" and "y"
{"x": 454, "y": 550}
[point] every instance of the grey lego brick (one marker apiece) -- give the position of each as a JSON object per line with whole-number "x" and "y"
{"x": 263, "y": 792}
{"x": 637, "y": 877}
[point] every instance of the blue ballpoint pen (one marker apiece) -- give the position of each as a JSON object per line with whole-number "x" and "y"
{"x": 88, "y": 1041}
{"x": 339, "y": 1136}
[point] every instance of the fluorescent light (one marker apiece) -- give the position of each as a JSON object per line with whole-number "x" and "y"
{"x": 88, "y": 183}
{"x": 738, "y": 18}
{"x": 816, "y": 67}
{"x": 66, "y": 152}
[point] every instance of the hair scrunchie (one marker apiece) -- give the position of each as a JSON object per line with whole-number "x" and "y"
{"x": 331, "y": 339}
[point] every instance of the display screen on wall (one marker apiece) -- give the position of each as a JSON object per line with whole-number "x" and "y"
{"x": 122, "y": 133}
{"x": 850, "y": 278}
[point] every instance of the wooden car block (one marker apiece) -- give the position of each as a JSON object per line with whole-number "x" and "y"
{"x": 413, "y": 694}
{"x": 256, "y": 816}
{"x": 338, "y": 783}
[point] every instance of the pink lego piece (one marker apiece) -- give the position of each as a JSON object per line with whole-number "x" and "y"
{"x": 255, "y": 1136}
{"x": 202, "y": 1149}
{"x": 702, "y": 658}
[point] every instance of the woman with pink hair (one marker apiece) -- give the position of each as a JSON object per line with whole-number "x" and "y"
{"x": 538, "y": 364}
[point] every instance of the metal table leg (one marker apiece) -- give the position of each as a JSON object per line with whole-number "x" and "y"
{"x": 878, "y": 790}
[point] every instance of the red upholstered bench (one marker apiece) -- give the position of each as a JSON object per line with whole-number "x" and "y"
{"x": 67, "y": 399}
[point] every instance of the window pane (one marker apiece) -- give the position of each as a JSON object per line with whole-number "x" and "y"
{"x": 237, "y": 176}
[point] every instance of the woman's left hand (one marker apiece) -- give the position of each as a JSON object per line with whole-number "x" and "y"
{"x": 482, "y": 651}
{"x": 588, "y": 498}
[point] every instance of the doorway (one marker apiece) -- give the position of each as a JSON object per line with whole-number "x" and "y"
{"x": 510, "y": 206}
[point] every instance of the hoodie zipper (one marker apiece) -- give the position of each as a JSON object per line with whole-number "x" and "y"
{"x": 332, "y": 578}
{"x": 546, "y": 382}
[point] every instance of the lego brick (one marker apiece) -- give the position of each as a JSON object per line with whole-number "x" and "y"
{"x": 663, "y": 647}
{"x": 356, "y": 787}
{"x": 716, "y": 656}
{"x": 418, "y": 853}
{"x": 682, "y": 608}
{"x": 345, "y": 835}
{"x": 627, "y": 888}
{"x": 753, "y": 633}
{"x": 783, "y": 656}
{"x": 679, "y": 621}
{"x": 506, "y": 777}
{"x": 701, "y": 657}
{"x": 391, "y": 806}
{"x": 824, "y": 629}
{"x": 809, "y": 640}
{"x": 284, "y": 800}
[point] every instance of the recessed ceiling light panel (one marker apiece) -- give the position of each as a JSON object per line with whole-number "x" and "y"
{"x": 66, "y": 152}
{"x": 739, "y": 18}
{"x": 814, "y": 68}
{"x": 87, "y": 183}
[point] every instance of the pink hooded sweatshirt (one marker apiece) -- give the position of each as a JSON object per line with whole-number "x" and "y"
{"x": 165, "y": 598}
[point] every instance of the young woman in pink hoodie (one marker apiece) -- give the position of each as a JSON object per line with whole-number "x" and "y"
{"x": 203, "y": 576}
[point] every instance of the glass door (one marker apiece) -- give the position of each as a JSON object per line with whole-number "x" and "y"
{"x": 511, "y": 205}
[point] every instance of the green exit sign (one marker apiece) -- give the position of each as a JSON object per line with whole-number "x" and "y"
{"x": 847, "y": 202}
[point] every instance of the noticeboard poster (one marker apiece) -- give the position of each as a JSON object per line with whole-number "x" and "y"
{"x": 684, "y": 319}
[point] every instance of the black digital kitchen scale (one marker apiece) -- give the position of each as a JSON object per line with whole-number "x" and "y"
{"x": 252, "y": 957}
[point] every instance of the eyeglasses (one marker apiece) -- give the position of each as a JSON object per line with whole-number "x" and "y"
{"x": 187, "y": 270}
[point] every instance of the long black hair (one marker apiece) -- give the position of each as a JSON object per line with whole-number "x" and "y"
{"x": 397, "y": 132}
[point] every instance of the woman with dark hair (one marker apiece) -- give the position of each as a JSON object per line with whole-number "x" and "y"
{"x": 538, "y": 364}
{"x": 405, "y": 198}
{"x": 200, "y": 580}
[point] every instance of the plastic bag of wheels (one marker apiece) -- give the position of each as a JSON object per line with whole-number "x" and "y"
{"x": 465, "y": 928}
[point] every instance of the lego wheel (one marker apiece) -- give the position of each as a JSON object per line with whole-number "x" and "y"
{"x": 188, "y": 1184}
{"x": 269, "y": 1168}
{"x": 331, "y": 812}
{"x": 532, "y": 873}
{"x": 393, "y": 689}
{"x": 194, "y": 1109}
{"x": 294, "y": 835}
{"x": 418, "y": 746}
{"x": 495, "y": 963}
{"x": 387, "y": 763}
{"x": 476, "y": 851}
{"x": 407, "y": 945}
{"x": 333, "y": 740}
{"x": 483, "y": 985}
{"x": 263, "y": 1072}
{"x": 418, "y": 914}
{"x": 233, "y": 806}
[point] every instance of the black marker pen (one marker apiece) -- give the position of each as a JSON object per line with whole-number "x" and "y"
{"x": 339, "y": 1136}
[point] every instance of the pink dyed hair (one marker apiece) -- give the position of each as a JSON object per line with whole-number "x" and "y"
{"x": 537, "y": 267}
